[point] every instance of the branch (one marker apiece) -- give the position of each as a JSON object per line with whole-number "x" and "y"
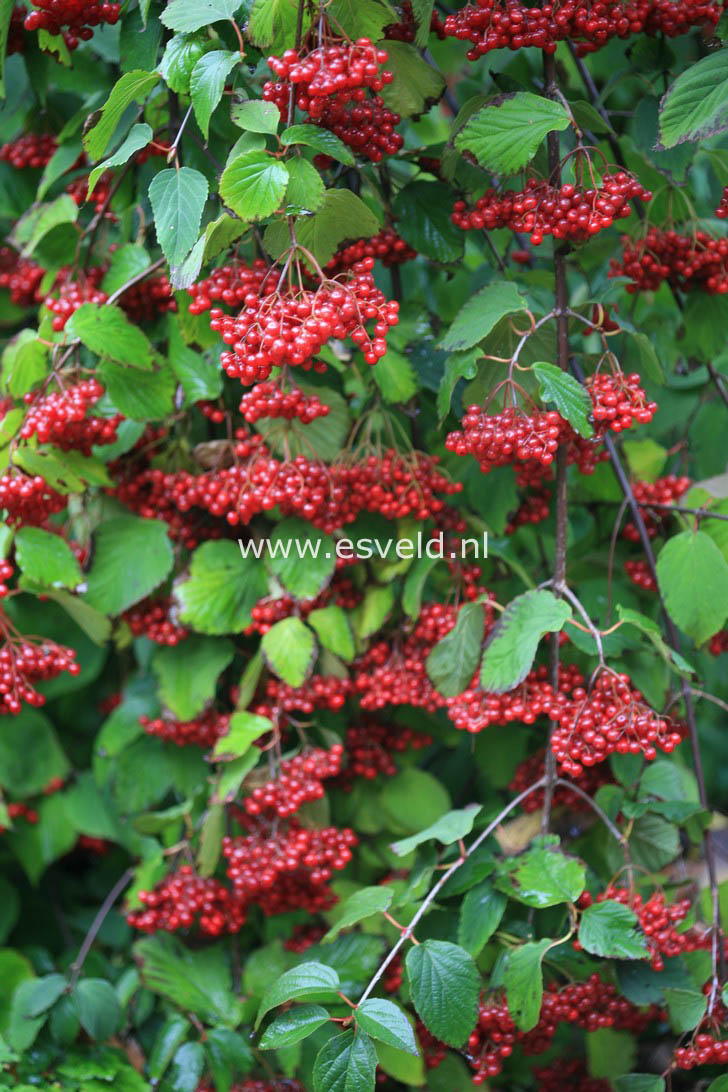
{"x": 96, "y": 924}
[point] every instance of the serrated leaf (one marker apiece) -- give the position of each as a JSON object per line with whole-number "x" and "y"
{"x": 178, "y": 197}
{"x": 331, "y": 626}
{"x": 253, "y": 185}
{"x": 98, "y": 1007}
{"x": 416, "y": 86}
{"x": 213, "y": 828}
{"x": 132, "y": 87}
{"x": 293, "y": 1026}
{"x": 305, "y": 980}
{"x": 695, "y": 105}
{"x": 395, "y": 377}
{"x": 523, "y": 981}
{"x": 207, "y": 82}
{"x": 289, "y": 649}
{"x": 480, "y": 915}
{"x": 126, "y": 262}
{"x": 385, "y": 1021}
{"x": 148, "y": 397}
{"x": 567, "y": 394}
{"x": 686, "y": 1008}
{"x": 449, "y": 828}
{"x": 612, "y": 930}
{"x": 194, "y": 981}
{"x": 445, "y": 986}
{"x": 105, "y": 330}
{"x": 244, "y": 729}
{"x": 131, "y": 557}
{"x": 347, "y": 1063}
{"x": 480, "y": 314}
{"x": 46, "y": 558}
{"x": 188, "y": 673}
{"x": 511, "y": 647}
{"x": 506, "y": 133}
{"x": 307, "y": 569}
{"x": 544, "y": 876}
{"x": 256, "y": 116}
{"x": 221, "y": 588}
{"x": 184, "y": 17}
{"x": 452, "y": 662}
{"x": 321, "y": 140}
{"x": 693, "y": 577}
{"x": 40, "y": 219}
{"x": 342, "y": 216}
{"x": 422, "y": 210}
{"x": 138, "y": 137}
{"x": 361, "y": 905}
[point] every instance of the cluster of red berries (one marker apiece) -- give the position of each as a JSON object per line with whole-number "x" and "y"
{"x": 704, "y": 1050}
{"x": 230, "y": 285}
{"x": 433, "y": 1051}
{"x": 20, "y": 811}
{"x": 304, "y": 937}
{"x": 268, "y": 611}
{"x": 657, "y": 920}
{"x": 60, "y": 418}
{"x": 386, "y": 247}
{"x": 567, "y": 212}
{"x": 78, "y": 17}
{"x": 300, "y": 780}
{"x": 500, "y": 439}
{"x": 280, "y": 869}
{"x": 370, "y": 746}
{"x": 684, "y": 261}
{"x": 20, "y": 276}
{"x": 475, "y": 709}
{"x": 405, "y": 30}
{"x": 15, "y": 40}
{"x": 29, "y": 150}
{"x": 318, "y": 692}
{"x": 611, "y": 717}
{"x": 663, "y": 490}
{"x": 508, "y": 24}
{"x": 568, "y": 1076}
{"x": 270, "y": 400}
{"x": 72, "y": 294}
{"x": 341, "y": 70}
{"x": 618, "y": 401}
{"x": 722, "y": 211}
{"x": 183, "y": 900}
{"x": 276, "y": 329}
{"x": 204, "y": 730}
{"x": 152, "y": 619}
{"x": 28, "y": 500}
{"x": 148, "y": 299}
{"x": 640, "y": 573}
{"x": 532, "y": 768}
{"x": 6, "y": 573}
{"x": 77, "y": 189}
{"x": 534, "y": 508}
{"x": 589, "y": 1005}
{"x": 23, "y": 663}
{"x": 719, "y": 642}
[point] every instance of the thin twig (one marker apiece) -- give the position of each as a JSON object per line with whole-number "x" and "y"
{"x": 96, "y": 924}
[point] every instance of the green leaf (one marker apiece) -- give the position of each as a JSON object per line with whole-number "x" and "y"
{"x": 220, "y": 233}
{"x": 385, "y": 1021}
{"x": 449, "y": 828}
{"x": 211, "y": 834}
{"x": 98, "y": 1007}
{"x": 244, "y": 729}
{"x": 567, "y": 394}
{"x": 451, "y": 663}
{"x": 686, "y": 1007}
{"x": 416, "y": 86}
{"x": 445, "y": 987}
{"x": 138, "y": 137}
{"x": 221, "y": 589}
{"x": 33, "y": 227}
{"x": 25, "y": 363}
{"x": 304, "y": 981}
{"x": 195, "y": 981}
{"x": 45, "y": 992}
{"x": 720, "y": 1084}
{"x": 199, "y": 377}
{"x": 415, "y": 583}
{"x": 331, "y": 626}
{"x": 6, "y": 14}
{"x": 511, "y": 647}
{"x": 27, "y": 770}
{"x": 506, "y": 134}
{"x": 653, "y": 842}
{"x": 178, "y": 197}
{"x": 480, "y": 915}
{"x": 126, "y": 262}
{"x": 184, "y": 17}
{"x": 347, "y": 1063}
{"x": 308, "y": 568}
{"x": 374, "y": 609}
{"x": 693, "y": 577}
{"x": 412, "y": 800}
{"x": 363, "y": 18}
{"x": 695, "y": 106}
{"x": 132, "y": 87}
{"x": 188, "y": 673}
{"x": 612, "y": 930}
{"x": 149, "y": 396}
{"x": 640, "y": 1082}
{"x": 545, "y": 876}
{"x": 256, "y": 116}
{"x": 20, "y": 1031}
{"x": 62, "y": 160}
{"x": 46, "y": 558}
{"x": 395, "y": 377}
{"x": 187, "y": 1067}
{"x": 321, "y": 140}
{"x": 523, "y": 981}
{"x": 651, "y": 629}
{"x": 180, "y": 56}
{"x": 131, "y": 557}
{"x": 342, "y": 216}
{"x": 289, "y": 649}
{"x": 422, "y": 211}
{"x": 361, "y": 905}
{"x": 207, "y": 83}
{"x": 479, "y": 315}
{"x": 106, "y": 331}
{"x": 292, "y": 1026}
{"x": 253, "y": 185}
{"x": 305, "y": 187}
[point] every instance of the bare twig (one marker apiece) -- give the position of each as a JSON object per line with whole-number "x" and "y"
{"x": 96, "y": 924}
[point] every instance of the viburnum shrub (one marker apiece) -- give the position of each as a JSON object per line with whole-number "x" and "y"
{"x": 363, "y": 563}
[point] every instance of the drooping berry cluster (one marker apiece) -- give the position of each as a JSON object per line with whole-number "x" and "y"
{"x": 270, "y": 610}
{"x": 618, "y": 401}
{"x": 386, "y": 247}
{"x": 707, "y": 1047}
{"x": 20, "y": 276}
{"x": 270, "y": 400}
{"x": 318, "y": 692}
{"x": 532, "y": 768}
{"x": 229, "y": 285}
{"x": 28, "y": 500}
{"x": 59, "y": 418}
{"x": 695, "y": 261}
{"x": 507, "y": 437}
{"x": 183, "y": 900}
{"x": 567, "y": 212}
{"x": 77, "y": 189}
{"x": 299, "y": 780}
{"x": 72, "y": 293}
{"x": 25, "y": 662}
{"x": 534, "y": 509}
{"x": 340, "y": 71}
{"x": 75, "y": 19}
{"x": 476, "y": 709}
{"x": 663, "y": 490}
{"x": 29, "y": 150}
{"x": 204, "y": 730}
{"x": 152, "y": 618}
{"x": 370, "y": 747}
{"x": 148, "y": 299}
{"x": 640, "y": 574}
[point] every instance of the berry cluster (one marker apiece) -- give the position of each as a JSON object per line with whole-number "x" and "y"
{"x": 534, "y": 508}
{"x": 204, "y": 730}
{"x": 28, "y": 500}
{"x": 299, "y": 781}
{"x": 532, "y": 768}
{"x": 662, "y": 491}
{"x": 268, "y": 611}
{"x": 228, "y": 284}
{"x": 152, "y": 619}
{"x": 148, "y": 299}
{"x": 183, "y": 900}
{"x": 640, "y": 573}
{"x": 73, "y": 293}
{"x": 60, "y": 418}
{"x": 386, "y": 247}
{"x": 475, "y": 709}
{"x": 6, "y": 573}
{"x": 270, "y": 400}
{"x": 568, "y": 1076}
{"x": 340, "y": 71}
{"x": 684, "y": 261}
{"x": 318, "y": 692}
{"x": 500, "y": 439}
{"x": 78, "y": 17}
{"x": 304, "y": 937}
{"x": 705, "y": 1050}
{"x": 25, "y": 662}
{"x": 405, "y": 30}
{"x": 77, "y": 189}
{"x": 722, "y": 211}
{"x": 618, "y": 401}
{"x": 20, "y": 276}
{"x": 29, "y": 150}
{"x": 566, "y": 212}
{"x": 657, "y": 921}
{"x": 370, "y": 747}
{"x": 20, "y": 811}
